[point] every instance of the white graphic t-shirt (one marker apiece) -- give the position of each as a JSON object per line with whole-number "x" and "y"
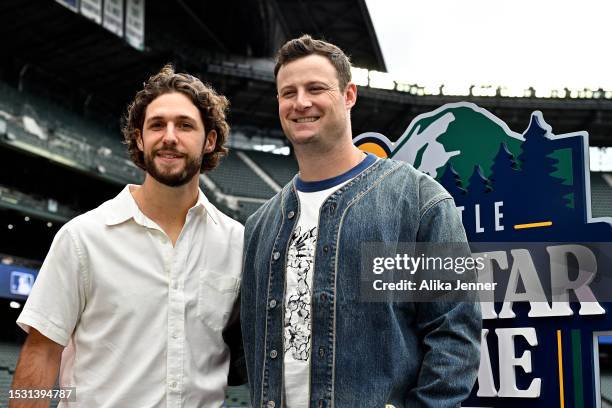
{"x": 299, "y": 278}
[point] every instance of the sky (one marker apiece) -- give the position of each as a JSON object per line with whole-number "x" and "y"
{"x": 541, "y": 43}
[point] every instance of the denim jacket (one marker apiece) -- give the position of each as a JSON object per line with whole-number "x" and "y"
{"x": 406, "y": 354}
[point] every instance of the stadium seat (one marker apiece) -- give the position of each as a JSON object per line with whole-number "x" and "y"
{"x": 601, "y": 196}
{"x": 280, "y": 168}
{"x": 235, "y": 178}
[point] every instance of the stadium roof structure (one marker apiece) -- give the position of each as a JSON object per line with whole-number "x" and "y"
{"x": 67, "y": 47}
{"x": 252, "y": 92}
{"x": 346, "y": 23}
{"x": 51, "y": 49}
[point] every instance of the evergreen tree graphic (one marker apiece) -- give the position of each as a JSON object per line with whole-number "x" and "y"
{"x": 478, "y": 185}
{"x": 504, "y": 167}
{"x": 536, "y": 183}
{"x": 451, "y": 181}
{"x": 477, "y": 204}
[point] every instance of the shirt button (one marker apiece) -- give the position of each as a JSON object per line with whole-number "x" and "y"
{"x": 174, "y": 284}
{"x": 270, "y": 404}
{"x": 173, "y": 384}
{"x": 291, "y": 214}
{"x": 272, "y": 304}
{"x": 175, "y": 335}
{"x": 273, "y": 354}
{"x": 276, "y": 255}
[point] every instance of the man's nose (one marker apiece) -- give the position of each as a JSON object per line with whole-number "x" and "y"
{"x": 170, "y": 134}
{"x": 302, "y": 101}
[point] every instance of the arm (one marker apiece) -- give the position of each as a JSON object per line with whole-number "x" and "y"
{"x": 49, "y": 316}
{"x": 37, "y": 368}
{"x": 449, "y": 331}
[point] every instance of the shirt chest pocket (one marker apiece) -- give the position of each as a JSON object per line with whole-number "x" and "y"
{"x": 216, "y": 296}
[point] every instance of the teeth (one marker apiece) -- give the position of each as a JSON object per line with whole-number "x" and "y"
{"x": 304, "y": 120}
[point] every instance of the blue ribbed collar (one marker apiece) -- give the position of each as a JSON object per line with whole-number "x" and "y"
{"x": 312, "y": 186}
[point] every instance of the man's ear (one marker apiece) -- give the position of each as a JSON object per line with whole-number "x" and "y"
{"x": 139, "y": 140}
{"x": 210, "y": 142}
{"x": 350, "y": 95}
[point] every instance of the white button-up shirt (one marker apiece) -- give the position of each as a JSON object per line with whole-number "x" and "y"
{"x": 141, "y": 320}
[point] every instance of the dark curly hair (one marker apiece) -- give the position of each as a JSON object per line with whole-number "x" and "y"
{"x": 211, "y": 105}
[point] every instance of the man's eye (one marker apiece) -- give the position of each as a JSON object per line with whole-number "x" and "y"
{"x": 288, "y": 94}
{"x": 155, "y": 125}
{"x": 186, "y": 126}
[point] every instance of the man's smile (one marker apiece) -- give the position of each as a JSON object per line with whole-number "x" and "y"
{"x": 168, "y": 155}
{"x": 306, "y": 119}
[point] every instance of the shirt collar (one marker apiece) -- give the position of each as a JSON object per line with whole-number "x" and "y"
{"x": 207, "y": 206}
{"x": 124, "y": 207}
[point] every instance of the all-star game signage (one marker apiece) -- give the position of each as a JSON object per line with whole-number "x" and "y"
{"x": 525, "y": 202}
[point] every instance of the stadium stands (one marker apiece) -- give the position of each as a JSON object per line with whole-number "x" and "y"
{"x": 5, "y": 384}
{"x": 236, "y": 178}
{"x": 39, "y": 127}
{"x": 10, "y": 100}
{"x": 45, "y": 129}
{"x": 606, "y": 388}
{"x": 9, "y": 353}
{"x": 35, "y": 205}
{"x": 601, "y": 195}
{"x": 280, "y": 168}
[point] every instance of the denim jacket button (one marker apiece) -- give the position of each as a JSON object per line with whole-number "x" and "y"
{"x": 326, "y": 248}
{"x": 270, "y": 404}
{"x": 291, "y": 214}
{"x": 276, "y": 255}
{"x": 321, "y": 352}
{"x": 323, "y": 297}
{"x": 332, "y": 208}
{"x": 272, "y": 304}
{"x": 273, "y": 354}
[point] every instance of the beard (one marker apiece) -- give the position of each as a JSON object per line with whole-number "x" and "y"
{"x": 176, "y": 178}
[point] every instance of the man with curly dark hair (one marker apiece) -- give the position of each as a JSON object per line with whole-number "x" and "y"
{"x": 137, "y": 299}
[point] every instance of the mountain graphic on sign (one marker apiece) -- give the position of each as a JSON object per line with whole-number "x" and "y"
{"x": 539, "y": 178}
{"x": 451, "y": 134}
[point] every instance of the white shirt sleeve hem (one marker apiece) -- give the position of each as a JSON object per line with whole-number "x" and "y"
{"x": 30, "y": 318}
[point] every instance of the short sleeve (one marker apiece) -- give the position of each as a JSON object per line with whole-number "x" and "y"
{"x": 58, "y": 295}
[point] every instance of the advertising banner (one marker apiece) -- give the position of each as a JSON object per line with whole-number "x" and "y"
{"x": 16, "y": 281}
{"x": 134, "y": 23}
{"x": 113, "y": 16}
{"x": 92, "y": 9}
{"x": 546, "y": 263}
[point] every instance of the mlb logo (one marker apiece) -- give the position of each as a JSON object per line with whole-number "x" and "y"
{"x": 21, "y": 283}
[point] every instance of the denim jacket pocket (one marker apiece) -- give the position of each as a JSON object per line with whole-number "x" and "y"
{"x": 216, "y": 296}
